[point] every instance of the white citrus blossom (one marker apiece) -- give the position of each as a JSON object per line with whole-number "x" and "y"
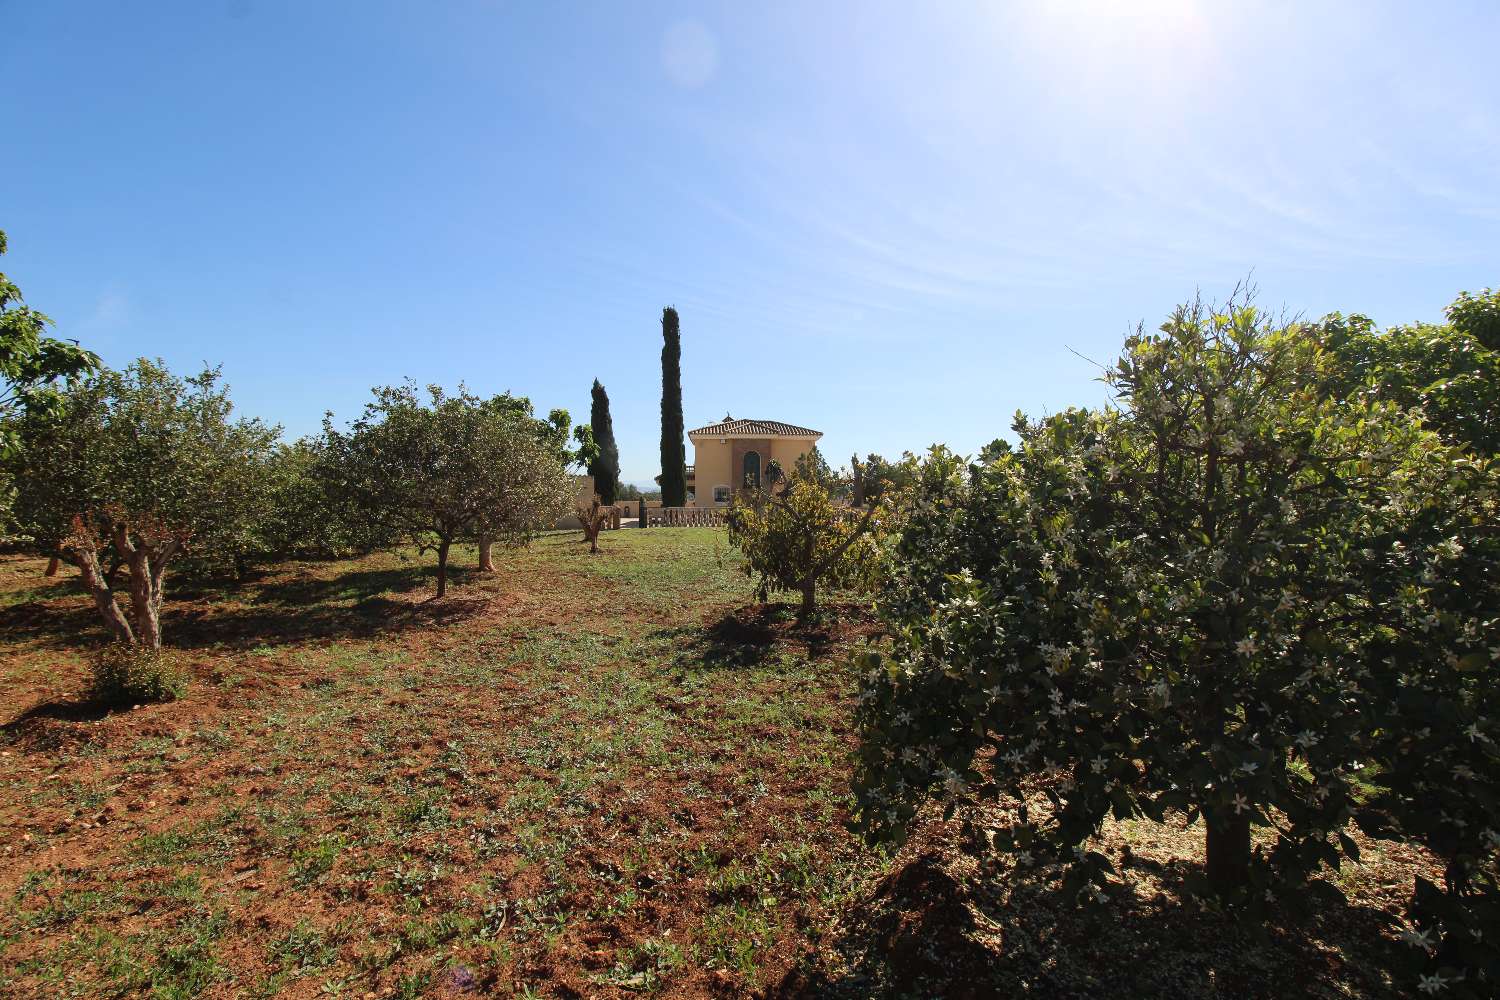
{"x": 1238, "y": 641}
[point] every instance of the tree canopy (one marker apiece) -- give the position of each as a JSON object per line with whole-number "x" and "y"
{"x": 1450, "y": 371}
{"x": 1232, "y": 595}
{"x": 452, "y": 467}
{"x": 31, "y": 363}
{"x": 145, "y": 467}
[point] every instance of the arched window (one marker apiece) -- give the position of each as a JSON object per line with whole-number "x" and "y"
{"x": 752, "y": 470}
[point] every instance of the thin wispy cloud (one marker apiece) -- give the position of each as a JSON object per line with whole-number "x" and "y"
{"x": 940, "y": 197}
{"x": 111, "y": 311}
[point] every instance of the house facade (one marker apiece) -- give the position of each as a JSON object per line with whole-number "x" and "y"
{"x": 733, "y": 455}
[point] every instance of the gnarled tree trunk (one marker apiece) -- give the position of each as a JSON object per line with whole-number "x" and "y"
{"x": 104, "y": 597}
{"x": 486, "y": 559}
{"x": 147, "y": 571}
{"x": 145, "y": 551}
{"x": 52, "y": 566}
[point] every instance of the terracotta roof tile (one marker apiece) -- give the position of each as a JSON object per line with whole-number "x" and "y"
{"x": 754, "y": 428}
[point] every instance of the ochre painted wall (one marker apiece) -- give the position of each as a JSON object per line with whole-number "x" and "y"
{"x": 788, "y": 450}
{"x": 713, "y": 461}
{"x": 710, "y": 469}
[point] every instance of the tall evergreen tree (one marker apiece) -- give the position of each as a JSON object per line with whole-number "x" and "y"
{"x": 673, "y": 453}
{"x": 606, "y": 467}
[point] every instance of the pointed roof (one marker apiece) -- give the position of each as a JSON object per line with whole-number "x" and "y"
{"x": 729, "y": 427}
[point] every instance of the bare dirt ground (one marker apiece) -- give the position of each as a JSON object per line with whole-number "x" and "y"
{"x": 578, "y": 777}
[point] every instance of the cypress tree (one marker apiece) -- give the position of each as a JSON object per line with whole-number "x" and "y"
{"x": 606, "y": 467}
{"x": 673, "y": 453}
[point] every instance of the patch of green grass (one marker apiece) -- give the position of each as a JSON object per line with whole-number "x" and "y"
{"x": 556, "y": 760}
{"x": 305, "y": 948}
{"x": 735, "y": 935}
{"x": 65, "y": 584}
{"x": 309, "y": 864}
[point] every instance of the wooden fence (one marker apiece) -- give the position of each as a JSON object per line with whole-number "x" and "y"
{"x": 685, "y": 517}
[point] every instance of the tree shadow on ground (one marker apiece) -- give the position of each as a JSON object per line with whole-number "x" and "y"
{"x": 249, "y": 627}
{"x": 358, "y": 585}
{"x": 925, "y": 931}
{"x": 353, "y": 604}
{"x": 52, "y": 725}
{"x": 756, "y": 634}
{"x": 82, "y": 709}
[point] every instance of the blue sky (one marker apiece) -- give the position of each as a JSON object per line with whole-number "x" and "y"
{"x": 891, "y": 222}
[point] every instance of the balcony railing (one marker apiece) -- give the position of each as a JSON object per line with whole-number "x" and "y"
{"x": 685, "y": 517}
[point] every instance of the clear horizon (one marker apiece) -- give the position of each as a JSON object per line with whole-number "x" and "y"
{"x": 896, "y": 229}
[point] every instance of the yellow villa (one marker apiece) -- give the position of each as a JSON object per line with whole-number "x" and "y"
{"x": 733, "y": 454}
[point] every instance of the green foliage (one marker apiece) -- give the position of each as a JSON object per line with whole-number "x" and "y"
{"x": 800, "y": 538}
{"x": 673, "y": 451}
{"x": 882, "y": 477}
{"x": 451, "y": 467}
{"x": 993, "y": 452}
{"x": 1451, "y": 372}
{"x": 1232, "y": 596}
{"x": 813, "y": 467}
{"x": 605, "y": 466}
{"x": 147, "y": 445}
{"x": 551, "y": 432}
{"x": 129, "y": 674}
{"x": 306, "y": 514}
{"x": 587, "y": 452}
{"x": 31, "y": 364}
{"x": 142, "y": 467}
{"x": 1477, "y": 316}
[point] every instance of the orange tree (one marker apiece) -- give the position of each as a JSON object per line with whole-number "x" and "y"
{"x": 142, "y": 467}
{"x": 1449, "y": 372}
{"x": 1228, "y": 596}
{"x": 451, "y": 467}
{"x": 799, "y": 538}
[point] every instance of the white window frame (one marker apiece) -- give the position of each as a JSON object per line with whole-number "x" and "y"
{"x": 728, "y": 492}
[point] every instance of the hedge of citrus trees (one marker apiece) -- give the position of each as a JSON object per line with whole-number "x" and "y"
{"x": 1253, "y": 590}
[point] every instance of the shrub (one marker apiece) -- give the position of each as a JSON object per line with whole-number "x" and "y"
{"x": 1230, "y": 597}
{"x": 800, "y": 539}
{"x": 129, "y": 673}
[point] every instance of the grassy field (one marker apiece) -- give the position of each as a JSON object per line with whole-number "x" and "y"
{"x": 577, "y": 777}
